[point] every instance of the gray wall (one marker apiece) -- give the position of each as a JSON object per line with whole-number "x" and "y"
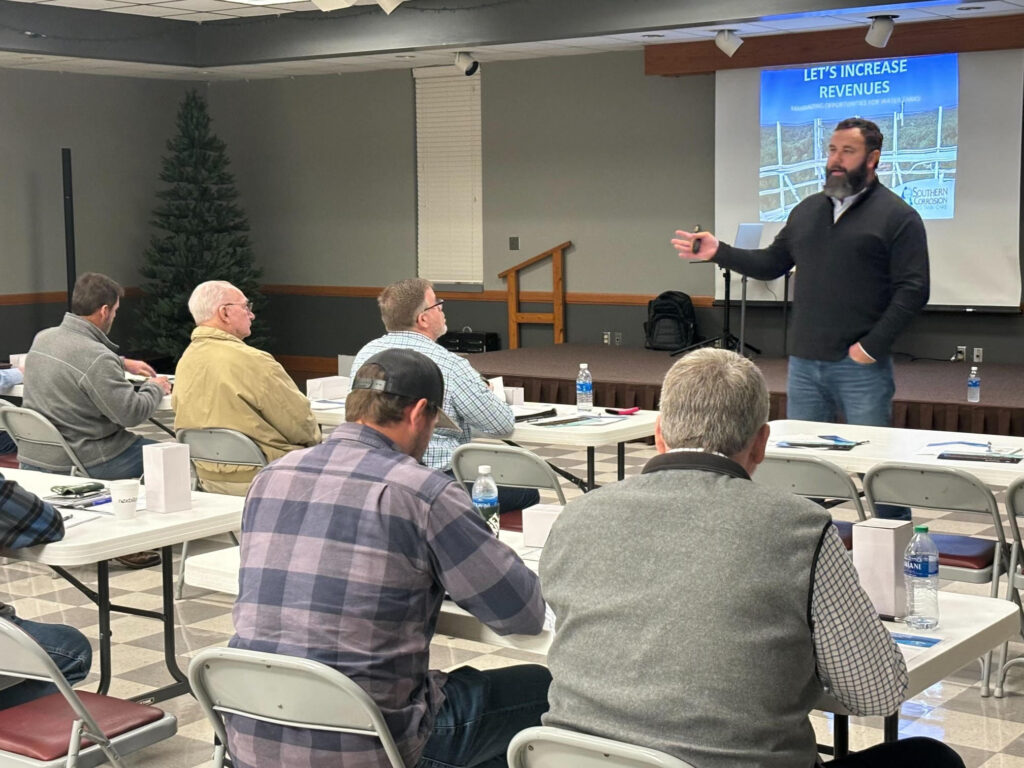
{"x": 116, "y": 128}
{"x": 581, "y": 148}
{"x": 326, "y": 169}
{"x": 589, "y": 149}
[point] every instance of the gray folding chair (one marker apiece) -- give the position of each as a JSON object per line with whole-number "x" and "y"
{"x": 286, "y": 690}
{"x": 28, "y": 427}
{"x": 814, "y": 478}
{"x": 547, "y": 747}
{"x": 58, "y": 723}
{"x": 1015, "y": 576}
{"x": 345, "y": 364}
{"x": 961, "y": 558}
{"x": 216, "y": 446}
{"x": 510, "y": 466}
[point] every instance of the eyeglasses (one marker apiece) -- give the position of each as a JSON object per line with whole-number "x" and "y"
{"x": 438, "y": 304}
{"x": 247, "y": 305}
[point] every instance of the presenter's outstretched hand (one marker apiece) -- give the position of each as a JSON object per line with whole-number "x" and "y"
{"x": 695, "y": 246}
{"x": 163, "y": 383}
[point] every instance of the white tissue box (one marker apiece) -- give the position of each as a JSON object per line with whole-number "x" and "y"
{"x": 537, "y": 522}
{"x": 168, "y": 483}
{"x": 878, "y": 549}
{"x": 328, "y": 388}
{"x": 515, "y": 395}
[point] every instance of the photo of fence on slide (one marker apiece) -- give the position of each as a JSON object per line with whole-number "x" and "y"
{"x": 918, "y": 161}
{"x": 914, "y": 101}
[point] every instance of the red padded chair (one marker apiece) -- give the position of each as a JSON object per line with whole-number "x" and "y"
{"x": 68, "y": 728}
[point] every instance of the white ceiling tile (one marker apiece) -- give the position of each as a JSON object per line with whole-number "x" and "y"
{"x": 803, "y": 23}
{"x": 244, "y": 11}
{"x": 201, "y": 5}
{"x": 295, "y": 7}
{"x": 203, "y": 16}
{"x": 151, "y": 10}
{"x": 91, "y": 5}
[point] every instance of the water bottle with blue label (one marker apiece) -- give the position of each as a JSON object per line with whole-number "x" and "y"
{"x": 974, "y": 386}
{"x": 485, "y": 497}
{"x": 921, "y": 573}
{"x": 584, "y": 390}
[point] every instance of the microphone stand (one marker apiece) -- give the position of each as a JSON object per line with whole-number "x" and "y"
{"x": 743, "y": 321}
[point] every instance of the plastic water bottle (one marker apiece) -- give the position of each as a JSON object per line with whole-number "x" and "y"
{"x": 584, "y": 390}
{"x": 921, "y": 572}
{"x": 973, "y": 386}
{"x": 485, "y": 497}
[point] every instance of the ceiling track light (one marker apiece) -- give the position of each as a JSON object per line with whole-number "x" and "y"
{"x": 728, "y": 41}
{"x": 880, "y": 30}
{"x": 466, "y": 64}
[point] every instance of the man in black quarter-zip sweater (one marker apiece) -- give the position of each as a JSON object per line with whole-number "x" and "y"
{"x": 862, "y": 275}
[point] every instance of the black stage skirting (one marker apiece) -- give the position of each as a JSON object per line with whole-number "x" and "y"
{"x": 929, "y": 394}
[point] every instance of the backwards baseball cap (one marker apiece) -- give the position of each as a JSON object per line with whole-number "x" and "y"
{"x": 410, "y": 374}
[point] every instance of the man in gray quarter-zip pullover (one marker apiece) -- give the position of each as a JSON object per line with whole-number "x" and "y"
{"x": 75, "y": 378}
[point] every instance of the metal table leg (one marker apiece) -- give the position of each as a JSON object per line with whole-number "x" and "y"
{"x": 891, "y": 727}
{"x": 101, "y": 597}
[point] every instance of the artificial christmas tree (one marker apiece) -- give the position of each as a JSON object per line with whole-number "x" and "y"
{"x": 203, "y": 236}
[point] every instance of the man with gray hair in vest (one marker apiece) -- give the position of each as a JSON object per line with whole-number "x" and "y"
{"x": 703, "y": 615}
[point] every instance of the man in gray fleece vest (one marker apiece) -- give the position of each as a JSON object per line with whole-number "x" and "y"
{"x": 703, "y": 615}
{"x": 74, "y": 377}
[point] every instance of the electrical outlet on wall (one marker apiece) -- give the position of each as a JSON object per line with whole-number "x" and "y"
{"x": 961, "y": 353}
{"x": 618, "y": 338}
{"x": 978, "y": 354}
{"x": 606, "y": 337}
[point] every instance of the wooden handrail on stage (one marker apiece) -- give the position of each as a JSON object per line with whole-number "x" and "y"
{"x": 556, "y": 317}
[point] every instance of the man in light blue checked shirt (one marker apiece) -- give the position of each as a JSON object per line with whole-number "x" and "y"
{"x": 414, "y": 319}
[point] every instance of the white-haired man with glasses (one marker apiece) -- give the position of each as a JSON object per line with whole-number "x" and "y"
{"x": 414, "y": 319}
{"x": 222, "y": 382}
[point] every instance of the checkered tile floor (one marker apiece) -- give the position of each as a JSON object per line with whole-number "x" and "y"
{"x": 986, "y": 732}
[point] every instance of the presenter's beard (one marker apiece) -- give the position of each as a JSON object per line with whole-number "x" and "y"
{"x": 849, "y": 183}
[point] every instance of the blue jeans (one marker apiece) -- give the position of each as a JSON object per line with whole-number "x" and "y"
{"x": 70, "y": 651}
{"x": 481, "y": 713}
{"x": 7, "y": 444}
{"x": 819, "y": 390}
{"x": 125, "y": 465}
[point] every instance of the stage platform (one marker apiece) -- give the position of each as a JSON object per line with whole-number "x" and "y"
{"x": 929, "y": 394}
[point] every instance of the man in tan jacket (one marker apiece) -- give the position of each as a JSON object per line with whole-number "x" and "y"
{"x": 223, "y": 382}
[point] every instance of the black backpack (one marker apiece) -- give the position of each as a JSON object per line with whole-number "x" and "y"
{"x": 671, "y": 322}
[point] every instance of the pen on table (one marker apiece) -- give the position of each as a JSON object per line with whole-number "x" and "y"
{"x": 66, "y": 517}
{"x": 92, "y": 502}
